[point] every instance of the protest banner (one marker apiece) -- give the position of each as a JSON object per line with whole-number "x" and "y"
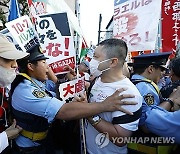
{"x": 67, "y": 90}
{"x": 170, "y": 31}
{"x": 136, "y": 22}
{"x": 35, "y": 9}
{"x": 9, "y": 36}
{"x": 23, "y": 32}
{"x": 56, "y": 41}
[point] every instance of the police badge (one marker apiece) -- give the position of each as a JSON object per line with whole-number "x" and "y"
{"x": 39, "y": 94}
{"x": 149, "y": 99}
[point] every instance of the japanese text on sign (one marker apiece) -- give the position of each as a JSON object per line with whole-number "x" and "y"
{"x": 69, "y": 89}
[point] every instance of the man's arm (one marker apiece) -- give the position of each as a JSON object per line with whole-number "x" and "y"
{"x": 114, "y": 131}
{"x": 13, "y": 131}
{"x": 10, "y": 133}
{"x": 173, "y": 101}
{"x": 77, "y": 110}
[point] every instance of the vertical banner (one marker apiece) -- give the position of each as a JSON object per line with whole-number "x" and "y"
{"x": 136, "y": 22}
{"x": 23, "y": 32}
{"x": 14, "y": 12}
{"x": 56, "y": 41}
{"x": 170, "y": 25}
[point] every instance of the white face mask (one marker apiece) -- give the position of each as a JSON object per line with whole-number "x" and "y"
{"x": 94, "y": 64}
{"x": 6, "y": 76}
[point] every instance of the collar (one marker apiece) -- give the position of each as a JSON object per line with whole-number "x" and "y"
{"x": 137, "y": 76}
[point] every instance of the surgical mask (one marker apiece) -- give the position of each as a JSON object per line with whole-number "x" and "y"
{"x": 94, "y": 64}
{"x": 7, "y": 76}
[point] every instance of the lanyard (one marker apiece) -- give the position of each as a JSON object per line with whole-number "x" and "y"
{"x": 30, "y": 79}
{"x": 153, "y": 84}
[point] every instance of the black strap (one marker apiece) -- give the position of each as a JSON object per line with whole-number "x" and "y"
{"x": 127, "y": 118}
{"x": 90, "y": 87}
{"x": 30, "y": 122}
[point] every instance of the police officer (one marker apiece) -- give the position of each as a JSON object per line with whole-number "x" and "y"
{"x": 8, "y": 65}
{"x": 35, "y": 108}
{"x": 147, "y": 72}
{"x": 175, "y": 78}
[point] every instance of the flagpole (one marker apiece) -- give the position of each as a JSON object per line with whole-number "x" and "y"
{"x": 18, "y": 10}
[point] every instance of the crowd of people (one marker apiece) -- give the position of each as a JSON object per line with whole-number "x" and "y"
{"x": 116, "y": 104}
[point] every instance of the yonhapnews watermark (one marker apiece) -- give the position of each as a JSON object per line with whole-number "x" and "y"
{"x": 102, "y": 140}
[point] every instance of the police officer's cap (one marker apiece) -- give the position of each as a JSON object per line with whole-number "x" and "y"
{"x": 36, "y": 54}
{"x": 158, "y": 59}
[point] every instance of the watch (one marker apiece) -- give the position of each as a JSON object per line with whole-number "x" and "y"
{"x": 169, "y": 101}
{"x": 95, "y": 120}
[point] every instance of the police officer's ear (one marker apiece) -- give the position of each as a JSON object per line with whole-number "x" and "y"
{"x": 150, "y": 69}
{"x": 30, "y": 66}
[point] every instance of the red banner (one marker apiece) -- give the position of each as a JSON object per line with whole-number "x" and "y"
{"x": 170, "y": 25}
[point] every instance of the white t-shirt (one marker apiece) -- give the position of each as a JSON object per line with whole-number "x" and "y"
{"x": 99, "y": 92}
{"x": 3, "y": 141}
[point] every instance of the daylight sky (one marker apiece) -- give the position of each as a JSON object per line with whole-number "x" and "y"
{"x": 89, "y": 17}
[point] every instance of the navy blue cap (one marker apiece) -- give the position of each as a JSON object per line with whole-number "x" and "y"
{"x": 158, "y": 59}
{"x": 36, "y": 54}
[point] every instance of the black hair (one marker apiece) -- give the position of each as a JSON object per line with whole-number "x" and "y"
{"x": 115, "y": 48}
{"x": 175, "y": 66}
{"x": 22, "y": 65}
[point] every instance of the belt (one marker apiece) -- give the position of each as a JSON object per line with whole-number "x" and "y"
{"x": 34, "y": 136}
{"x": 151, "y": 150}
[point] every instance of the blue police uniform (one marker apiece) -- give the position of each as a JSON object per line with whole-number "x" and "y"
{"x": 164, "y": 123}
{"x": 149, "y": 93}
{"x": 33, "y": 106}
{"x": 28, "y": 98}
{"x": 147, "y": 88}
{"x": 153, "y": 117}
{"x": 51, "y": 87}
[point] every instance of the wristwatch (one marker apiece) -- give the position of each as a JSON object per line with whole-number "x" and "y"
{"x": 95, "y": 120}
{"x": 169, "y": 101}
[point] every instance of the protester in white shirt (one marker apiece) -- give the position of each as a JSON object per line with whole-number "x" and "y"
{"x": 8, "y": 65}
{"x": 105, "y": 132}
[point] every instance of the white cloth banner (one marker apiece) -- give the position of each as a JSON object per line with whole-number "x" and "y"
{"x": 136, "y": 22}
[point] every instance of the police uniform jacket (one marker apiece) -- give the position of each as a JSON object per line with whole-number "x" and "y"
{"x": 150, "y": 96}
{"x": 32, "y": 99}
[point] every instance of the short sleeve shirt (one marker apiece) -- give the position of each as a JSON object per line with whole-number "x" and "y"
{"x": 30, "y": 99}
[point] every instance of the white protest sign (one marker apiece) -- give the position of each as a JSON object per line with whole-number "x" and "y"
{"x": 56, "y": 41}
{"x": 136, "y": 22}
{"x": 23, "y": 32}
{"x": 9, "y": 36}
{"x": 67, "y": 90}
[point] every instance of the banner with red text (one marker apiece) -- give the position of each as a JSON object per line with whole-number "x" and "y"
{"x": 136, "y": 22}
{"x": 170, "y": 25}
{"x": 68, "y": 90}
{"x": 56, "y": 41}
{"x": 35, "y": 9}
{"x": 23, "y": 32}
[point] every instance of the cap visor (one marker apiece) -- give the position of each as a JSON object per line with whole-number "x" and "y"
{"x": 163, "y": 67}
{"x": 13, "y": 54}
